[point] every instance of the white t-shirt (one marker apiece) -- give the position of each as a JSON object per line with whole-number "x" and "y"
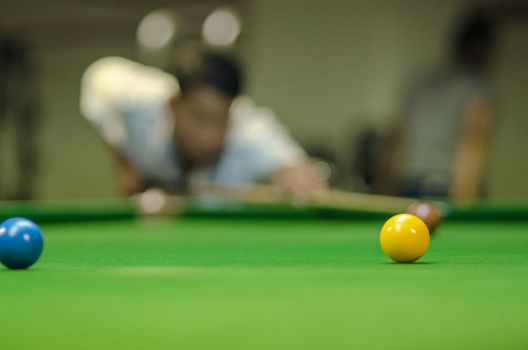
{"x": 128, "y": 104}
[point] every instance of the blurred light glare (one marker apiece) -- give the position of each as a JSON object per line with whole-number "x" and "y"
{"x": 221, "y": 27}
{"x": 156, "y": 29}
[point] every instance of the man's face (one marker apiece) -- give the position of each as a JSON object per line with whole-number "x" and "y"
{"x": 202, "y": 119}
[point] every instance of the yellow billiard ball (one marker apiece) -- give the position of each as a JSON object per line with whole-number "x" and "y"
{"x": 404, "y": 238}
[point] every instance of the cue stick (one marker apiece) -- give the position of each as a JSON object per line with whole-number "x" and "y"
{"x": 156, "y": 202}
{"x": 328, "y": 199}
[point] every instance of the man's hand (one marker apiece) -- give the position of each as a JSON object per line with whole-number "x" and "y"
{"x": 300, "y": 182}
{"x": 130, "y": 181}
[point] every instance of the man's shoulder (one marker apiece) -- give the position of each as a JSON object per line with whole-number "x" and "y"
{"x": 110, "y": 62}
{"x": 124, "y": 98}
{"x": 109, "y": 69}
{"x": 121, "y": 78}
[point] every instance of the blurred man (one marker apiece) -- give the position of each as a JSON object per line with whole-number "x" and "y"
{"x": 167, "y": 133}
{"x": 440, "y": 146}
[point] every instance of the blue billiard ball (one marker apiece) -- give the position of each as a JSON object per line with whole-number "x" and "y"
{"x": 21, "y": 243}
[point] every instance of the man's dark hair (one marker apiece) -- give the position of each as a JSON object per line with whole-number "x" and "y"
{"x": 477, "y": 29}
{"x": 209, "y": 69}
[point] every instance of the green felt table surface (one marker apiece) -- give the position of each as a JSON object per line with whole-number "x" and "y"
{"x": 289, "y": 283}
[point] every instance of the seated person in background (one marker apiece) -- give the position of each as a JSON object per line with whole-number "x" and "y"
{"x": 440, "y": 146}
{"x": 166, "y": 132}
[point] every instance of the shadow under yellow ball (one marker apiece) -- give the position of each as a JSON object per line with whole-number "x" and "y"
{"x": 404, "y": 238}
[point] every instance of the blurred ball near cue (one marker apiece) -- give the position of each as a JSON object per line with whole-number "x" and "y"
{"x": 429, "y": 212}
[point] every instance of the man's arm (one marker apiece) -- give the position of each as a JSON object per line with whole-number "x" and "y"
{"x": 276, "y": 155}
{"x": 472, "y": 150}
{"x": 299, "y": 181}
{"x": 129, "y": 180}
{"x": 104, "y": 86}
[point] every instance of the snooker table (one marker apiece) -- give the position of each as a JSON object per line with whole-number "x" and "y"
{"x": 269, "y": 277}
